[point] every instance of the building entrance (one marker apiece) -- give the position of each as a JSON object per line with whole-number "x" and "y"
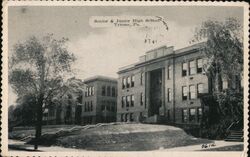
{"x": 155, "y": 92}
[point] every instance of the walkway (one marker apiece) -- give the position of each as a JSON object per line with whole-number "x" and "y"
{"x": 205, "y": 146}
{"x": 15, "y": 145}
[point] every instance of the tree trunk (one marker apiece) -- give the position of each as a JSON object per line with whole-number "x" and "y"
{"x": 39, "y": 123}
{"x": 40, "y": 107}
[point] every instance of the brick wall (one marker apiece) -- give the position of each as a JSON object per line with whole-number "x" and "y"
{"x": 96, "y": 115}
{"x": 174, "y": 81}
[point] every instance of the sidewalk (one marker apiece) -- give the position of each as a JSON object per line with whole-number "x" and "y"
{"x": 15, "y": 145}
{"x": 202, "y": 147}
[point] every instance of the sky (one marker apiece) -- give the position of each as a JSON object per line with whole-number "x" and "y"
{"x": 101, "y": 51}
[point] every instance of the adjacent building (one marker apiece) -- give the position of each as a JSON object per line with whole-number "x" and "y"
{"x": 96, "y": 103}
{"x": 165, "y": 85}
{"x": 100, "y": 100}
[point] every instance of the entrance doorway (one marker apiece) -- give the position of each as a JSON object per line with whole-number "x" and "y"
{"x": 155, "y": 92}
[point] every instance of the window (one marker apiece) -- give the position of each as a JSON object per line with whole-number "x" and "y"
{"x": 132, "y": 81}
{"x": 79, "y": 99}
{"x": 122, "y": 117}
{"x": 141, "y": 98}
{"x": 233, "y": 83}
{"x": 199, "y": 65}
{"x": 103, "y": 107}
{"x": 191, "y": 67}
{"x": 141, "y": 78}
{"x": 132, "y": 100}
{"x": 141, "y": 115}
{"x": 199, "y": 114}
{"x": 184, "y": 69}
{"x": 224, "y": 84}
{"x": 192, "y": 115}
{"x": 200, "y": 89}
{"x": 169, "y": 72}
{"x": 103, "y": 90}
{"x": 123, "y": 101}
{"x": 108, "y": 91}
{"x": 91, "y": 106}
{"x": 128, "y": 81}
{"x": 191, "y": 92}
{"x": 112, "y": 108}
{"x": 126, "y": 117}
{"x": 184, "y": 93}
{"x": 127, "y": 101}
{"x": 85, "y": 107}
{"x": 88, "y": 91}
{"x": 168, "y": 114}
{"x": 123, "y": 83}
{"x": 131, "y": 117}
{"x": 184, "y": 115}
{"x": 92, "y": 90}
{"x": 169, "y": 95}
{"x": 108, "y": 107}
{"x": 113, "y": 91}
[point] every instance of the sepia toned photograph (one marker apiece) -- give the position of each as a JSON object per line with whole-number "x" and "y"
{"x": 114, "y": 77}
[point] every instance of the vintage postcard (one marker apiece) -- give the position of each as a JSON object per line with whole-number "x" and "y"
{"x": 98, "y": 78}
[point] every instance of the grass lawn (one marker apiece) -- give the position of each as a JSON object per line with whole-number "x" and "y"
{"x": 120, "y": 137}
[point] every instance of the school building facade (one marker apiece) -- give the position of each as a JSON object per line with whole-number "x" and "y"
{"x": 165, "y": 85}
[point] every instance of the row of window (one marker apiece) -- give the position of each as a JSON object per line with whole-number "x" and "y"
{"x": 108, "y": 91}
{"x": 108, "y": 105}
{"x": 88, "y": 106}
{"x": 192, "y": 91}
{"x": 191, "y": 115}
{"x": 128, "y": 82}
{"x": 90, "y": 91}
{"x": 108, "y": 108}
{"x": 128, "y": 100}
{"x": 192, "y": 67}
{"x": 125, "y": 117}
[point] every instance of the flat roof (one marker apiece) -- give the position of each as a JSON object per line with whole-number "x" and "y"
{"x": 176, "y": 52}
{"x": 101, "y": 78}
